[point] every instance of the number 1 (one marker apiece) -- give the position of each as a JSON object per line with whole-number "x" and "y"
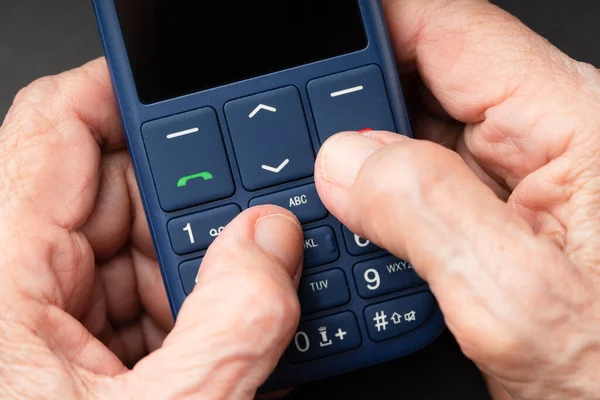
{"x": 188, "y": 229}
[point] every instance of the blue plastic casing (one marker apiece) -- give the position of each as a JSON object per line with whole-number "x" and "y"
{"x": 354, "y": 308}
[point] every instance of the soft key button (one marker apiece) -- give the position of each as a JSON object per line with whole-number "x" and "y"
{"x": 270, "y": 137}
{"x": 196, "y": 232}
{"x": 351, "y": 101}
{"x": 188, "y": 159}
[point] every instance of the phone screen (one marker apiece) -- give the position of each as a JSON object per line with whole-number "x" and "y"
{"x": 178, "y": 47}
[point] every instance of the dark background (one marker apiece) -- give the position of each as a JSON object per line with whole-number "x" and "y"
{"x": 41, "y": 37}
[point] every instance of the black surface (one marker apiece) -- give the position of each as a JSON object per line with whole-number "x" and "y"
{"x": 40, "y": 37}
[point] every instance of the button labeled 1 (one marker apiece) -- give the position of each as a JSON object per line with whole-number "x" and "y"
{"x": 197, "y": 232}
{"x": 384, "y": 275}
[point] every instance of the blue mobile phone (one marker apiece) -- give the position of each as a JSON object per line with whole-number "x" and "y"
{"x": 225, "y": 106}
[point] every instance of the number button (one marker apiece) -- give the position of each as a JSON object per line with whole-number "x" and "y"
{"x": 188, "y": 271}
{"x": 303, "y": 201}
{"x": 356, "y": 245}
{"x": 320, "y": 247}
{"x": 322, "y": 291}
{"x": 324, "y": 337}
{"x": 384, "y": 275}
{"x": 197, "y": 232}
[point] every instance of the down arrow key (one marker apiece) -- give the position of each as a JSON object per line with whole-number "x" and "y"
{"x": 278, "y": 169}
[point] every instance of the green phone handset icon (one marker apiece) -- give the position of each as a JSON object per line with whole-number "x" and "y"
{"x": 184, "y": 181}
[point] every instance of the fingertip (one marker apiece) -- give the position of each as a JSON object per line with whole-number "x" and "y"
{"x": 265, "y": 231}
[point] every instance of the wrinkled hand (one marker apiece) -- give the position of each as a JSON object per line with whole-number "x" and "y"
{"x": 508, "y": 235}
{"x": 81, "y": 296}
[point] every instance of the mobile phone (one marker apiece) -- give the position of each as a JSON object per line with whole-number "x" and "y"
{"x": 225, "y": 106}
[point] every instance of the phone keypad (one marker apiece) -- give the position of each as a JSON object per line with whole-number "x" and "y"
{"x": 272, "y": 145}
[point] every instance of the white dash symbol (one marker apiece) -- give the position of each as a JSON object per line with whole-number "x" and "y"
{"x": 347, "y": 91}
{"x": 182, "y": 133}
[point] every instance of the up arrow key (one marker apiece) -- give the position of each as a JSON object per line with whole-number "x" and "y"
{"x": 260, "y": 108}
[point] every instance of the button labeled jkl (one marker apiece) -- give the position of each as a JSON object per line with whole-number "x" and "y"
{"x": 320, "y": 247}
{"x": 197, "y": 232}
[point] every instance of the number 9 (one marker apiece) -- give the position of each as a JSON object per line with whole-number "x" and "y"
{"x": 373, "y": 279}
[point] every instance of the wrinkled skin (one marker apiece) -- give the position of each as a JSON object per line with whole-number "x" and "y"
{"x": 496, "y": 204}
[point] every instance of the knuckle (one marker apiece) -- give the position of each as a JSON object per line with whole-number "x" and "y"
{"x": 37, "y": 91}
{"x": 411, "y": 170}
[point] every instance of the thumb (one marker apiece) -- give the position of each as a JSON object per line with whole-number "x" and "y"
{"x": 234, "y": 328}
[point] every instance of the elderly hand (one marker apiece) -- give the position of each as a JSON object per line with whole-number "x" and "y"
{"x": 81, "y": 296}
{"x": 508, "y": 233}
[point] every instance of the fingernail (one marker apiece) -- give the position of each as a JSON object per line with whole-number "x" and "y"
{"x": 343, "y": 156}
{"x": 279, "y": 235}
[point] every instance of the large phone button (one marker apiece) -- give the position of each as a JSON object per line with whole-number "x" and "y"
{"x": 351, "y": 101}
{"x": 385, "y": 275}
{"x": 270, "y": 137}
{"x": 324, "y": 337}
{"x": 197, "y": 232}
{"x": 188, "y": 159}
{"x": 398, "y": 317}
{"x": 303, "y": 201}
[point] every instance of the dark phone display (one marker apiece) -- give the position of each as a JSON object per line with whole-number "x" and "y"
{"x": 178, "y": 47}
